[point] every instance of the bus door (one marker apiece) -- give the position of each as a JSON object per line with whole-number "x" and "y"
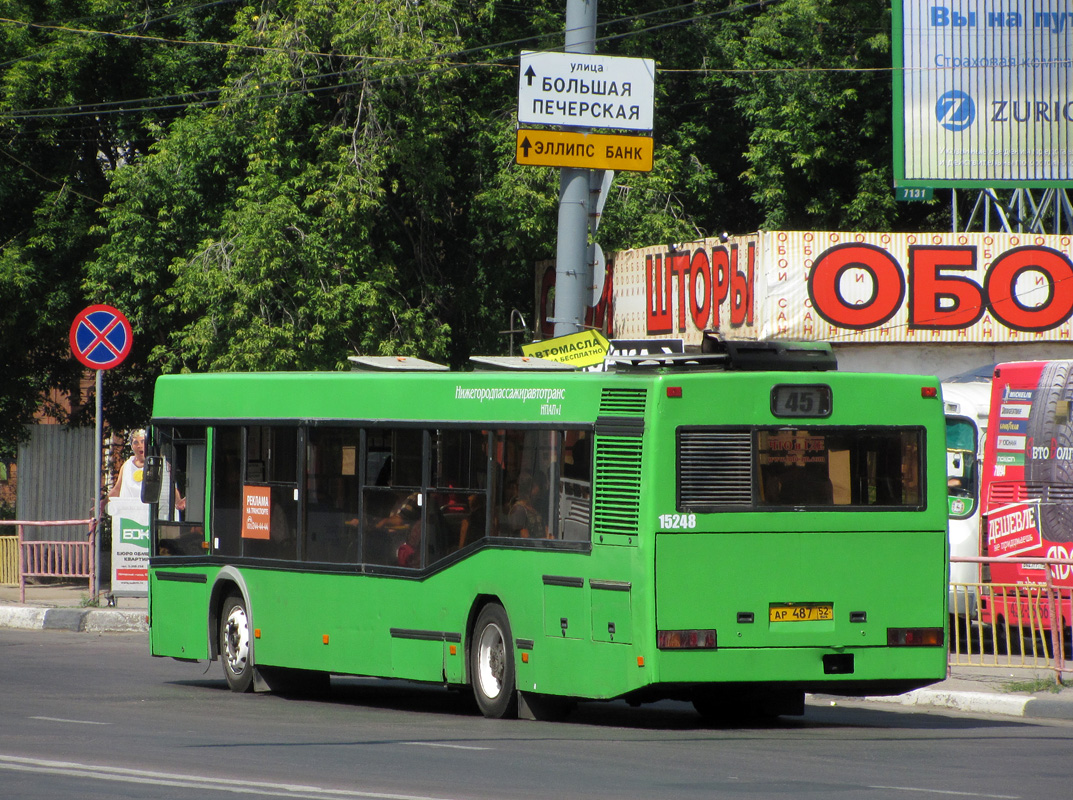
{"x": 966, "y": 406}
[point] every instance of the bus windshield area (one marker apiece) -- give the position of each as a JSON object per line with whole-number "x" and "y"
{"x": 794, "y": 467}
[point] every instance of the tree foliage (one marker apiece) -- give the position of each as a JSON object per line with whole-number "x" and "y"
{"x": 277, "y": 184}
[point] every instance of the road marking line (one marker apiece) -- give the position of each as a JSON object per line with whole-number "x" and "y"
{"x": 949, "y": 792}
{"x": 451, "y": 746}
{"x": 206, "y": 782}
{"x": 72, "y": 721}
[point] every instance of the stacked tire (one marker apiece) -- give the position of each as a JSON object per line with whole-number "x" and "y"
{"x": 1049, "y": 451}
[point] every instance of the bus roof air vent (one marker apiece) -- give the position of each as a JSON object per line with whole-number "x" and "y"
{"x": 521, "y": 363}
{"x": 394, "y": 364}
{"x": 771, "y": 356}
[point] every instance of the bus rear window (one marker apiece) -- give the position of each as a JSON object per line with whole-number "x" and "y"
{"x": 734, "y": 470}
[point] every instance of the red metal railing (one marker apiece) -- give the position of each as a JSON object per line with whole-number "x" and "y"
{"x": 55, "y": 559}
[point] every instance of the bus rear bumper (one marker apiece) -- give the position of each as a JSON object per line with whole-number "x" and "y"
{"x": 839, "y": 671}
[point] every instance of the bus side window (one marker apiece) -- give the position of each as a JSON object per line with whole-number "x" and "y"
{"x": 272, "y": 461}
{"x": 392, "y": 494}
{"x": 331, "y": 495}
{"x": 575, "y": 487}
{"x": 180, "y": 510}
{"x": 527, "y": 507}
{"x": 227, "y": 491}
{"x": 459, "y": 476}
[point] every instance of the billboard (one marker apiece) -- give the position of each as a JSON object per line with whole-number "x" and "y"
{"x": 850, "y": 288}
{"x": 982, "y": 93}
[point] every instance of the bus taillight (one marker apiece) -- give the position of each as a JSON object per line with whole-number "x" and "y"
{"x": 915, "y": 637}
{"x": 686, "y": 640}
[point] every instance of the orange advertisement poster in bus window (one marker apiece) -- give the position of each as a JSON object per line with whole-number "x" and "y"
{"x": 256, "y": 512}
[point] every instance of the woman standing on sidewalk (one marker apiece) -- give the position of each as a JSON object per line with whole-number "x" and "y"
{"x": 129, "y": 482}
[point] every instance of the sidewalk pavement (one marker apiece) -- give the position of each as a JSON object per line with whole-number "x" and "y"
{"x": 1014, "y": 692}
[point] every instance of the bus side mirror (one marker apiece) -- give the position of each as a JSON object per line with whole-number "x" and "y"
{"x": 152, "y": 479}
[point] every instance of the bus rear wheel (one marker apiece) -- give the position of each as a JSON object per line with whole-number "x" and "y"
{"x": 235, "y": 644}
{"x": 1007, "y": 644}
{"x": 491, "y": 662}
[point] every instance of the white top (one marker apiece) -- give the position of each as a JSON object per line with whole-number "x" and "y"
{"x": 130, "y": 480}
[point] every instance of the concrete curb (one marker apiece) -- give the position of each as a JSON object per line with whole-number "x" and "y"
{"x": 114, "y": 620}
{"x": 1048, "y": 708}
{"x": 89, "y": 620}
{"x": 972, "y": 702}
{"x": 22, "y": 618}
{"x": 1009, "y": 705}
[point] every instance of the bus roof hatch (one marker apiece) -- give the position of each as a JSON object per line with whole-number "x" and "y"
{"x": 394, "y": 364}
{"x": 524, "y": 363}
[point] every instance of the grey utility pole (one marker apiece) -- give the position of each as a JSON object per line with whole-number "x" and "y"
{"x": 572, "y": 279}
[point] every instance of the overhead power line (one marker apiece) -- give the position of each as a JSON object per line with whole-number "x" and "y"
{"x": 423, "y": 66}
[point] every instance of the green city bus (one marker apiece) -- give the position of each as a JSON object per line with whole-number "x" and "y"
{"x": 733, "y": 528}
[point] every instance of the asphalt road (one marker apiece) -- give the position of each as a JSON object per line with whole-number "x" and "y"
{"x": 94, "y": 716}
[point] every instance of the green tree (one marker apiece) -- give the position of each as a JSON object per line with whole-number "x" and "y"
{"x": 279, "y": 184}
{"x": 811, "y": 82}
{"x": 71, "y": 113}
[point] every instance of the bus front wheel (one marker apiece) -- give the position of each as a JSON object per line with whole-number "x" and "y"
{"x": 235, "y": 644}
{"x": 492, "y": 664}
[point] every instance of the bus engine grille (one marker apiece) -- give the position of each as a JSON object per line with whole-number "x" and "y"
{"x": 715, "y": 470}
{"x": 617, "y": 490}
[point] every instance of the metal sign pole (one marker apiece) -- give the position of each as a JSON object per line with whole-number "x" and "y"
{"x": 572, "y": 276}
{"x": 100, "y": 339}
{"x": 99, "y": 428}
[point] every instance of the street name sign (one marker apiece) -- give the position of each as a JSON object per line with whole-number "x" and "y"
{"x": 622, "y": 153}
{"x": 586, "y": 91}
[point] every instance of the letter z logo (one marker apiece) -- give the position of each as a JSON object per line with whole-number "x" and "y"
{"x": 955, "y": 110}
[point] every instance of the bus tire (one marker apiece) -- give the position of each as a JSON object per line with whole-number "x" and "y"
{"x": 235, "y": 650}
{"x": 1007, "y": 644}
{"x": 492, "y": 664}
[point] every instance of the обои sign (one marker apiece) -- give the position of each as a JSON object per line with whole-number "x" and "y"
{"x": 850, "y": 287}
{"x": 918, "y": 287}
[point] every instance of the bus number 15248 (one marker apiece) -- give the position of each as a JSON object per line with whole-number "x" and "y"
{"x": 671, "y": 522}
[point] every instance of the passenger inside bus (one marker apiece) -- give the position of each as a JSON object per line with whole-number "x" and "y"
{"x": 403, "y": 514}
{"x": 524, "y": 520}
{"x": 474, "y": 524}
{"x": 409, "y": 552}
{"x": 579, "y": 468}
{"x": 793, "y": 485}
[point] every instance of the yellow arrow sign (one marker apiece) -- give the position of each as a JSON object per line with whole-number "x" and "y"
{"x": 585, "y": 150}
{"x": 582, "y": 349}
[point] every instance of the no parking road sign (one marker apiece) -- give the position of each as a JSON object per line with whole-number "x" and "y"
{"x": 100, "y": 337}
